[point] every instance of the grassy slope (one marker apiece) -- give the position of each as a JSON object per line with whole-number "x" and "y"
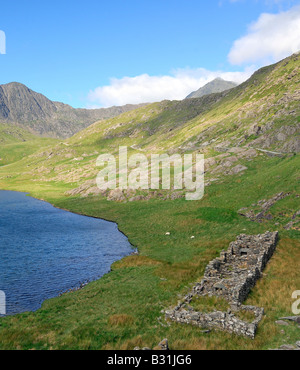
{"x": 269, "y": 99}
{"x": 17, "y": 143}
{"x": 222, "y": 117}
{"x": 122, "y": 309}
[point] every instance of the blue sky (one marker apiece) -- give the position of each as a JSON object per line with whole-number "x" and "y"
{"x": 100, "y": 53}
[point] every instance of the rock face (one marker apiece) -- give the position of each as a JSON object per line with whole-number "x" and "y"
{"x": 216, "y": 86}
{"x": 230, "y": 277}
{"x": 22, "y": 106}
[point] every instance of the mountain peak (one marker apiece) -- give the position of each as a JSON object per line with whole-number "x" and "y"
{"x": 14, "y": 85}
{"x": 19, "y": 105}
{"x": 215, "y": 86}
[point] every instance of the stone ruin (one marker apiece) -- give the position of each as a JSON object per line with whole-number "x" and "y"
{"x": 258, "y": 212}
{"x": 231, "y": 278}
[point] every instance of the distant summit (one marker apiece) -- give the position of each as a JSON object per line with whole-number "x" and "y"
{"x": 216, "y": 86}
{"x": 21, "y": 106}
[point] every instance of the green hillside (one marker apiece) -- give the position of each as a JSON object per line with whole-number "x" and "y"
{"x": 238, "y": 131}
{"x": 255, "y": 113}
{"x": 261, "y": 114}
{"x": 17, "y": 143}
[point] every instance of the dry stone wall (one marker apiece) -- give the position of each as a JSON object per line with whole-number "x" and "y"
{"x": 230, "y": 277}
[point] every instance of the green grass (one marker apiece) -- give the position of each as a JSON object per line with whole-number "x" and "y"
{"x": 17, "y": 143}
{"x": 11, "y": 153}
{"x": 208, "y": 304}
{"x": 122, "y": 309}
{"x": 245, "y": 315}
{"x": 222, "y": 215}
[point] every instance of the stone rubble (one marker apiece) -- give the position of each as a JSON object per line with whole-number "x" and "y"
{"x": 230, "y": 277}
{"x": 264, "y": 206}
{"x": 162, "y": 346}
{"x": 292, "y": 318}
{"x": 295, "y": 220}
{"x": 288, "y": 347}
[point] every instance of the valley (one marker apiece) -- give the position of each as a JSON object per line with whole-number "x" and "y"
{"x": 250, "y": 138}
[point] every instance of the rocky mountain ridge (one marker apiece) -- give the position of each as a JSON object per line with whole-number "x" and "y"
{"x": 21, "y": 106}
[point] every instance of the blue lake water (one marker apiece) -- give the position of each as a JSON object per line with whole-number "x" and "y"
{"x": 45, "y": 251}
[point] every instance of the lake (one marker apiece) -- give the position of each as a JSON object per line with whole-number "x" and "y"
{"x": 45, "y": 251}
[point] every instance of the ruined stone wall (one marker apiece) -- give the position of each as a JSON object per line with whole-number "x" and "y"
{"x": 218, "y": 320}
{"x": 231, "y": 277}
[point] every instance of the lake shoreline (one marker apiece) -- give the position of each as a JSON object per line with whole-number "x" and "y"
{"x": 84, "y": 283}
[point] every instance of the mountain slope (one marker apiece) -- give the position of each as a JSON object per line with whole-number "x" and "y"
{"x": 17, "y": 143}
{"x": 263, "y": 112}
{"x": 230, "y": 128}
{"x": 11, "y": 134}
{"x": 215, "y": 86}
{"x": 175, "y": 238}
{"x": 23, "y": 106}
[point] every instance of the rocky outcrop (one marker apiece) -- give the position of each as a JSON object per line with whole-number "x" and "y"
{"x": 259, "y": 211}
{"x": 90, "y": 188}
{"x": 228, "y": 163}
{"x": 295, "y": 220}
{"x": 230, "y": 277}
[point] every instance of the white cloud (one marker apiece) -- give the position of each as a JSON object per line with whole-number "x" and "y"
{"x": 279, "y": 3}
{"x": 145, "y": 88}
{"x": 271, "y": 38}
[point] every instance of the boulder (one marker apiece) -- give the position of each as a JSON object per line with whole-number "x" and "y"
{"x": 116, "y": 196}
{"x": 254, "y": 130}
{"x": 281, "y": 323}
{"x": 292, "y": 318}
{"x": 237, "y": 169}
